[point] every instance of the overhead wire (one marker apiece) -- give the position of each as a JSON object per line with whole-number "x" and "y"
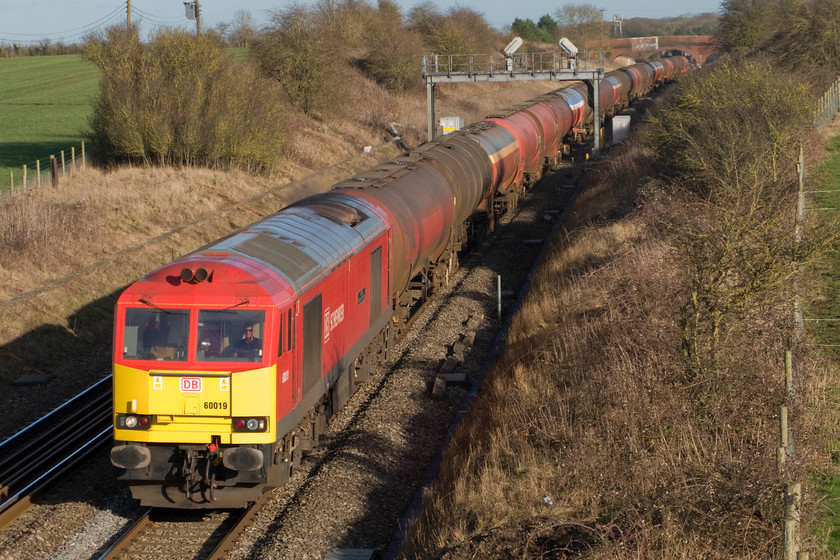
{"x": 156, "y": 18}
{"x": 78, "y": 32}
{"x": 70, "y": 33}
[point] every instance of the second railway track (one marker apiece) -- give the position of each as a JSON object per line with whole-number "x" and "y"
{"x": 52, "y": 448}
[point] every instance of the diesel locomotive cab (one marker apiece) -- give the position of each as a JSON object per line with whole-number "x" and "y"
{"x": 194, "y": 396}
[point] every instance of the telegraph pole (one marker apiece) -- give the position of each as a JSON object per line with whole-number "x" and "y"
{"x": 197, "y": 18}
{"x": 193, "y": 9}
{"x": 128, "y": 14}
{"x": 601, "y": 29}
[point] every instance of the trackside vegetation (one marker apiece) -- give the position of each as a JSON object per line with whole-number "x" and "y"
{"x": 827, "y": 480}
{"x": 641, "y": 381}
{"x": 181, "y": 100}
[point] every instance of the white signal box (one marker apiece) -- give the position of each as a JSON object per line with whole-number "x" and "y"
{"x": 451, "y": 124}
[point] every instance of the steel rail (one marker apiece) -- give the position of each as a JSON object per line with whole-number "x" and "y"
{"x": 40, "y": 454}
{"x": 225, "y": 546}
{"x": 135, "y": 529}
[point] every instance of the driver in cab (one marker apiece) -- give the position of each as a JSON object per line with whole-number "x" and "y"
{"x": 248, "y": 346}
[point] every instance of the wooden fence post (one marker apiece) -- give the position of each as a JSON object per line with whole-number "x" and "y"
{"x": 37, "y": 172}
{"x": 83, "y": 154}
{"x": 54, "y": 168}
{"x": 793, "y": 499}
{"x": 790, "y": 392}
{"x": 72, "y": 159}
{"x": 11, "y": 182}
{"x": 24, "y": 177}
{"x": 62, "y": 163}
{"x": 781, "y": 451}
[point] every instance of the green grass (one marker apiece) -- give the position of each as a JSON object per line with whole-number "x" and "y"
{"x": 45, "y": 104}
{"x": 827, "y": 178}
{"x": 826, "y": 181}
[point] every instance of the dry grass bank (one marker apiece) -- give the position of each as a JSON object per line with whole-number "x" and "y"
{"x": 591, "y": 405}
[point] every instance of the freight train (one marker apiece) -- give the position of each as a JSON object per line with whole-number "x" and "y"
{"x": 229, "y": 361}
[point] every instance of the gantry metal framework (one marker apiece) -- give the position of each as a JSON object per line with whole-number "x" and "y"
{"x": 454, "y": 68}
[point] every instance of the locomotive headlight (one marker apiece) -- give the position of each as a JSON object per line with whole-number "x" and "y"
{"x": 134, "y": 421}
{"x": 256, "y": 424}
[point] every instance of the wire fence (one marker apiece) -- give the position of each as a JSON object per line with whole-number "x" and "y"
{"x": 45, "y": 172}
{"x": 827, "y": 108}
{"x": 821, "y": 199}
{"x": 829, "y": 104}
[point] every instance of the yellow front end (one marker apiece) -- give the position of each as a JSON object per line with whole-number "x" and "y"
{"x": 194, "y": 407}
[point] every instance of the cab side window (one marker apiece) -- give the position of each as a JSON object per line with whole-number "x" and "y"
{"x": 281, "y": 329}
{"x": 285, "y": 333}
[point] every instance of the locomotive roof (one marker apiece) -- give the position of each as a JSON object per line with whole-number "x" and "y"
{"x": 307, "y": 239}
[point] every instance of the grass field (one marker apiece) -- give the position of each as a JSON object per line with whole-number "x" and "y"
{"x": 45, "y": 103}
{"x": 828, "y": 333}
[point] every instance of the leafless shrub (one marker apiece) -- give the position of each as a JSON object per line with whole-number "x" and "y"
{"x": 296, "y": 51}
{"x": 460, "y": 31}
{"x": 394, "y": 62}
{"x": 181, "y": 101}
{"x": 731, "y": 142}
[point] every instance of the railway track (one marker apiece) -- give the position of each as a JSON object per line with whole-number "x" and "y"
{"x": 52, "y": 447}
{"x": 208, "y": 535}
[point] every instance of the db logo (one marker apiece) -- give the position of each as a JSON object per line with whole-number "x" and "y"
{"x": 190, "y": 384}
{"x": 332, "y": 319}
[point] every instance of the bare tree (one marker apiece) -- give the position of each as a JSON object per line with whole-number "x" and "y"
{"x": 243, "y": 30}
{"x": 295, "y": 51}
{"x": 222, "y": 29}
{"x": 746, "y": 24}
{"x": 583, "y": 23}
